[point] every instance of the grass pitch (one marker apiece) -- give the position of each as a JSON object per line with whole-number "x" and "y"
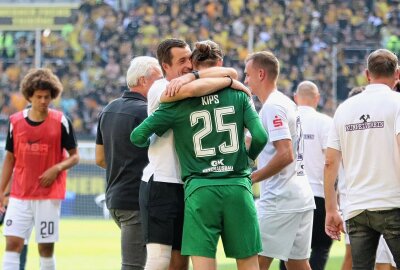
{"x": 95, "y": 245}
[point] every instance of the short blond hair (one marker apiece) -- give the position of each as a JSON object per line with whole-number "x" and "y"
{"x": 265, "y": 60}
{"x": 382, "y": 63}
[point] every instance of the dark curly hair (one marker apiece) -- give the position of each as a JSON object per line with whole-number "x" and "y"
{"x": 40, "y": 79}
{"x": 206, "y": 54}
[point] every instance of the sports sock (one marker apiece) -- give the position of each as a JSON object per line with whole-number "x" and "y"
{"x": 158, "y": 257}
{"x": 11, "y": 260}
{"x": 47, "y": 263}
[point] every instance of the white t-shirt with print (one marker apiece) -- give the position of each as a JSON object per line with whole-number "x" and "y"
{"x": 288, "y": 191}
{"x": 163, "y": 160}
{"x": 364, "y": 130}
{"x": 316, "y": 127}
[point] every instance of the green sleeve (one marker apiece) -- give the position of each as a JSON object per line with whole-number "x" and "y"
{"x": 259, "y": 138}
{"x": 158, "y": 122}
{"x": 256, "y": 129}
{"x": 141, "y": 134}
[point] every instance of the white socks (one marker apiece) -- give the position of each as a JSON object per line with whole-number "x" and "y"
{"x": 47, "y": 263}
{"x": 11, "y": 260}
{"x": 158, "y": 257}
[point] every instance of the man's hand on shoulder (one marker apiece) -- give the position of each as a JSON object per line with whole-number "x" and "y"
{"x": 175, "y": 84}
{"x": 241, "y": 87}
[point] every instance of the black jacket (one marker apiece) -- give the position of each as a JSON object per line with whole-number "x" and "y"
{"x": 125, "y": 162}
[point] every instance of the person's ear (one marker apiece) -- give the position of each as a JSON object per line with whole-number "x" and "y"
{"x": 262, "y": 74}
{"x": 165, "y": 66}
{"x": 142, "y": 81}
{"x": 368, "y": 75}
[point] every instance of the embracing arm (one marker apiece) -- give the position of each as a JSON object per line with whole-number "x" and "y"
{"x": 175, "y": 85}
{"x": 197, "y": 88}
{"x": 140, "y": 136}
{"x": 215, "y": 72}
{"x": 259, "y": 138}
{"x": 158, "y": 122}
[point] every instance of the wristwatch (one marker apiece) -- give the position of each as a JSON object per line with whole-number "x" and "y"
{"x": 196, "y": 74}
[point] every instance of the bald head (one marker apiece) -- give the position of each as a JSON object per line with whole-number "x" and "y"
{"x": 307, "y": 94}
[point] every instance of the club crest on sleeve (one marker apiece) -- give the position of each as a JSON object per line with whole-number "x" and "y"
{"x": 277, "y": 121}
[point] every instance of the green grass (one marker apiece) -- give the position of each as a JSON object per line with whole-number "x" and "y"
{"x": 334, "y": 262}
{"x": 95, "y": 245}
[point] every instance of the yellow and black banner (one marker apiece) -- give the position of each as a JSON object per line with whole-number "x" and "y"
{"x": 24, "y": 17}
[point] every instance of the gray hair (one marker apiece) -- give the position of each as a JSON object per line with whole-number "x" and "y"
{"x": 140, "y": 66}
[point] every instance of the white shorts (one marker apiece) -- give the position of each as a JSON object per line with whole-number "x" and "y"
{"x": 383, "y": 254}
{"x": 286, "y": 236}
{"x": 22, "y": 215}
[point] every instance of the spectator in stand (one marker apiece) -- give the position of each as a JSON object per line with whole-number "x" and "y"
{"x": 302, "y": 34}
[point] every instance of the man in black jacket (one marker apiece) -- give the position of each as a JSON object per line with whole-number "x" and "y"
{"x": 124, "y": 162}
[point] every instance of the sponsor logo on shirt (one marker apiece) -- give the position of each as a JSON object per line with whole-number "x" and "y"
{"x": 365, "y": 124}
{"x": 218, "y": 166}
{"x": 308, "y": 136}
{"x": 8, "y": 222}
{"x": 277, "y": 121}
{"x": 35, "y": 148}
{"x": 300, "y": 171}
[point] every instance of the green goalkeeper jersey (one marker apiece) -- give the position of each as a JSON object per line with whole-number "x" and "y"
{"x": 209, "y": 133}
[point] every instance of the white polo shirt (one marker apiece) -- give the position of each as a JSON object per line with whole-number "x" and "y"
{"x": 163, "y": 160}
{"x": 364, "y": 130}
{"x": 316, "y": 127}
{"x": 288, "y": 191}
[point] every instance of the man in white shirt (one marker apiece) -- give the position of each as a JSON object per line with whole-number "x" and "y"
{"x": 365, "y": 134}
{"x": 161, "y": 195}
{"x": 315, "y": 126}
{"x": 286, "y": 202}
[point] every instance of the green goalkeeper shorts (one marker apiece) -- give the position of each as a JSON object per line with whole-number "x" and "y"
{"x": 226, "y": 211}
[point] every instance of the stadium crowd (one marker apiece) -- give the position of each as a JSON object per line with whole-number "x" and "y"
{"x": 92, "y": 53}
